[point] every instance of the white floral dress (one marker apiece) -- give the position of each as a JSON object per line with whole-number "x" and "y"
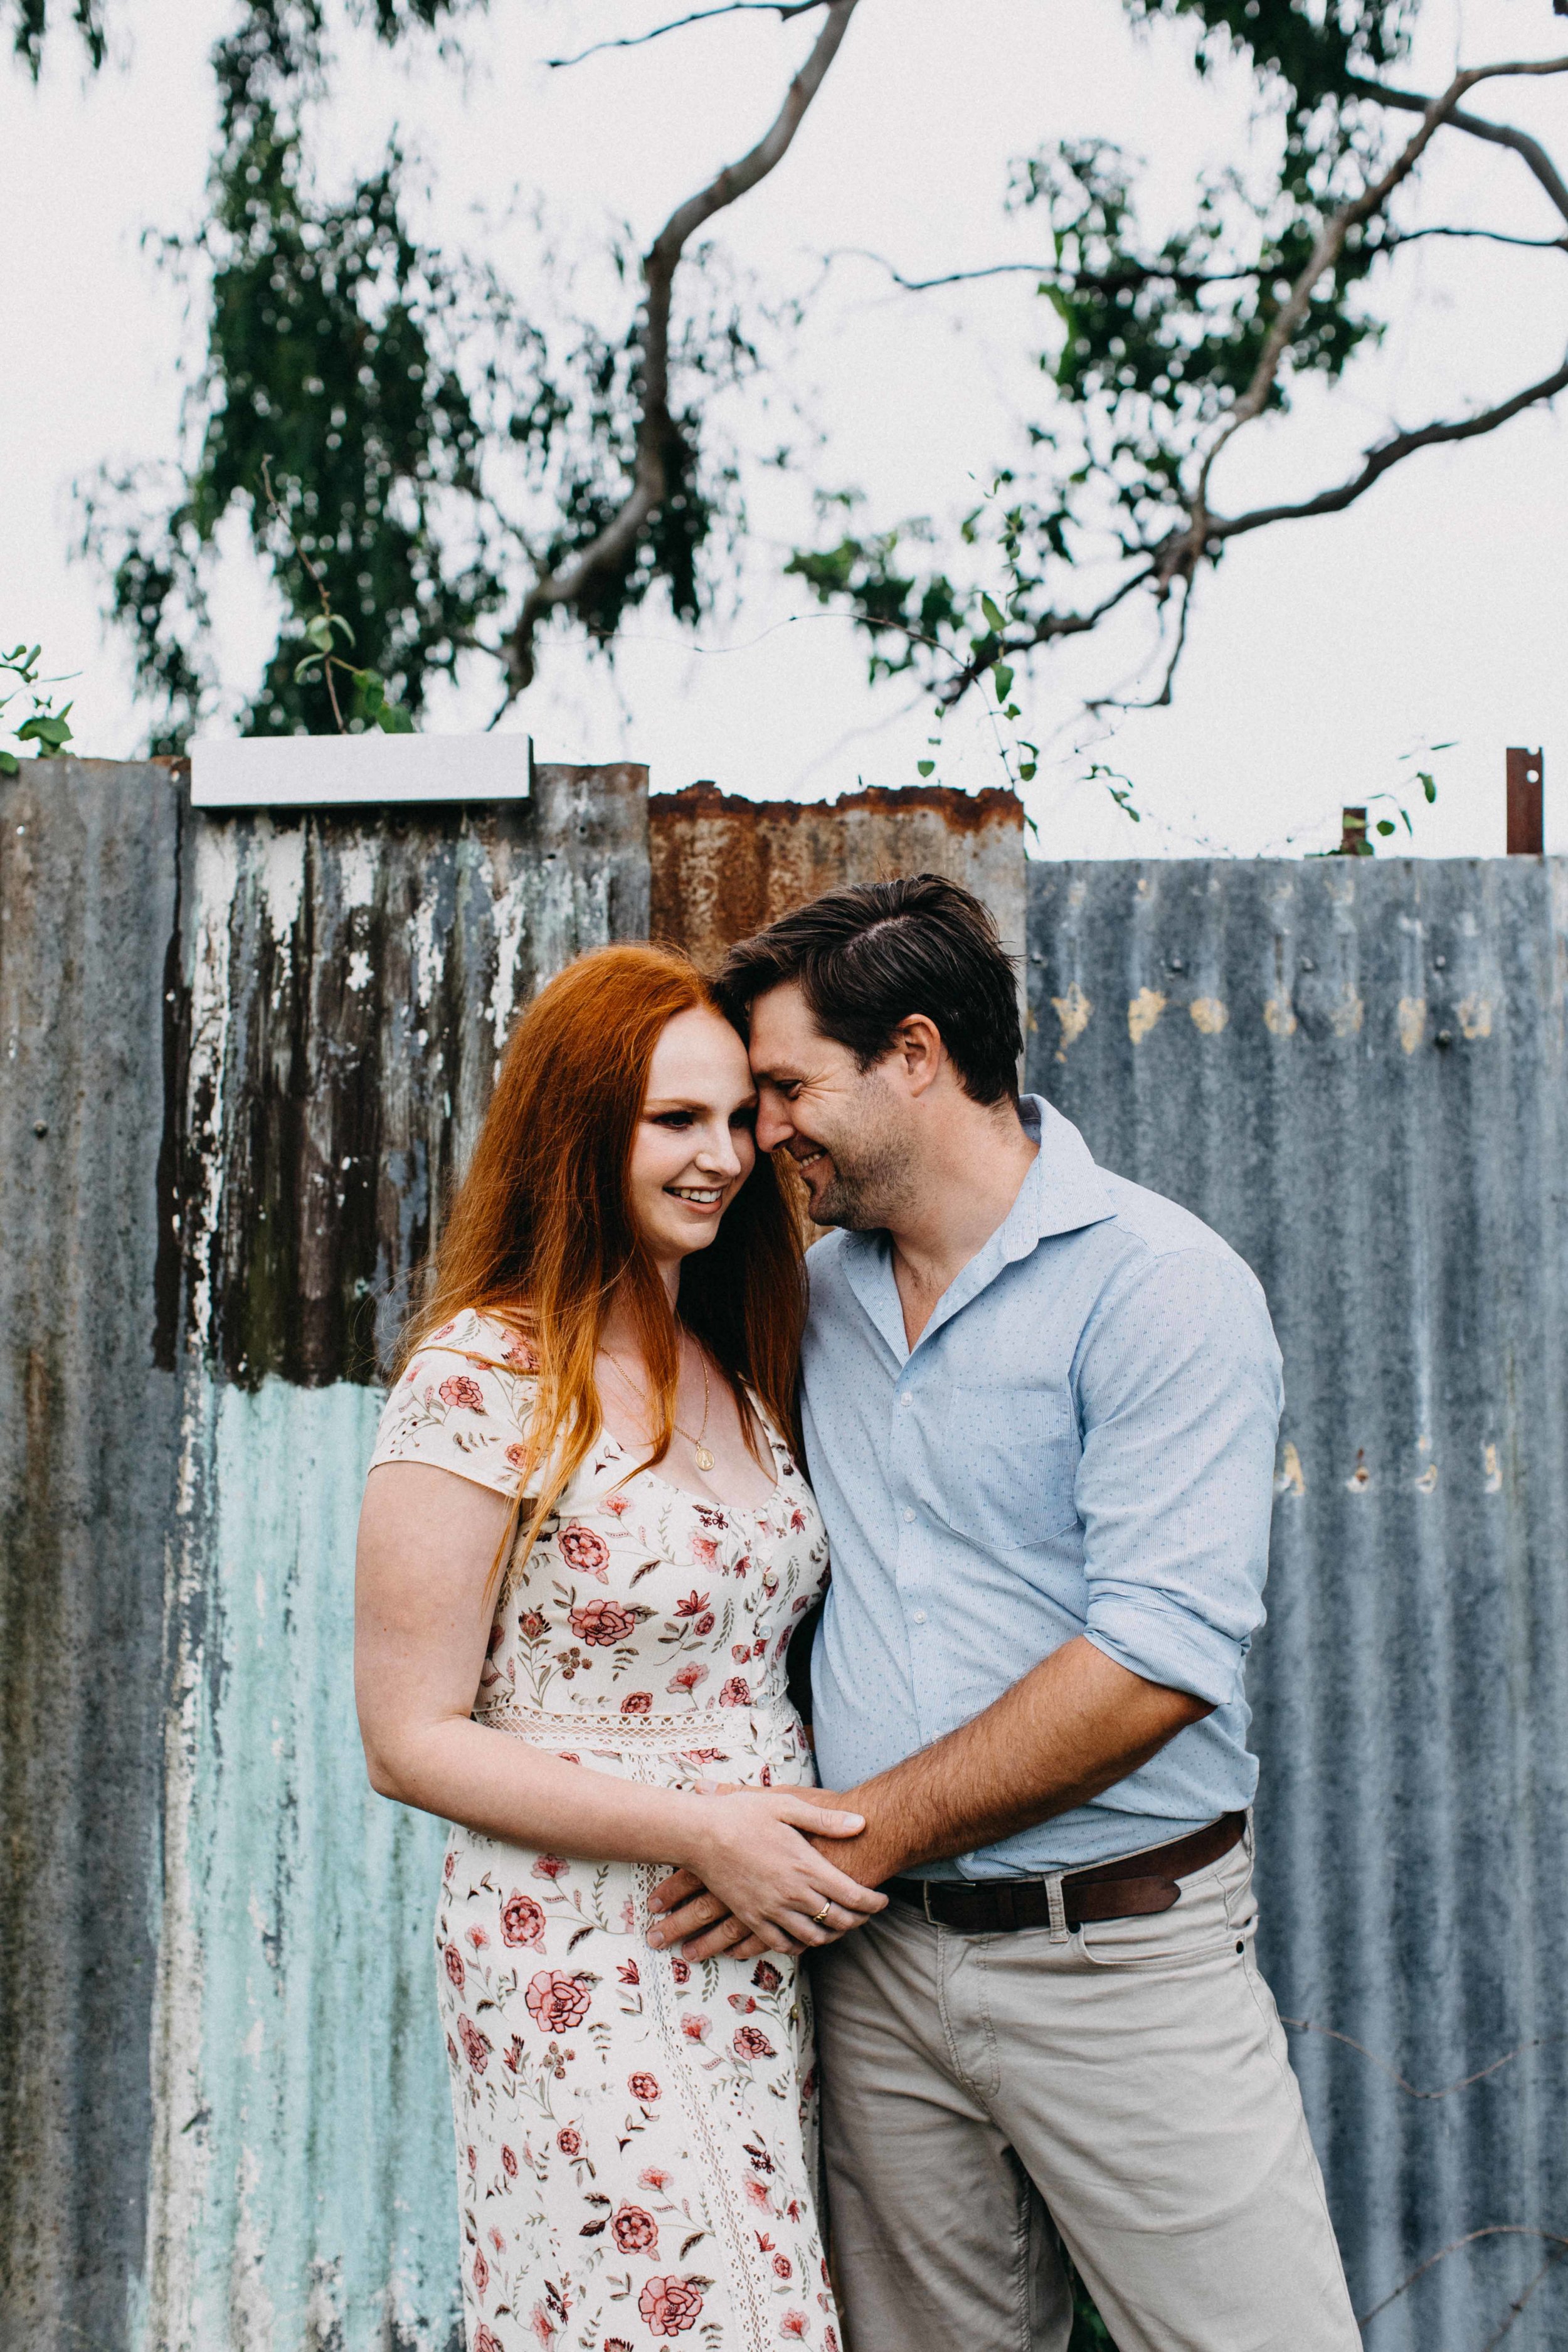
{"x": 635, "y": 2135}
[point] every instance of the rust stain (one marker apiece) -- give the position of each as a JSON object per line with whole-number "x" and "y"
{"x": 724, "y": 866}
{"x": 1209, "y": 1015}
{"x": 1073, "y": 1011}
{"x": 1142, "y": 1013}
{"x": 1411, "y": 1016}
{"x": 1348, "y": 1014}
{"x": 1475, "y": 1016}
{"x": 1291, "y": 1479}
{"x": 1280, "y": 1017}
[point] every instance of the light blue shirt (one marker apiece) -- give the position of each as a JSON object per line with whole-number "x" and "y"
{"x": 1081, "y": 1442}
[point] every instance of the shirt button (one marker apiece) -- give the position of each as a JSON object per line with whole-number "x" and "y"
{"x": 920, "y": 1616}
{"x": 906, "y": 1401}
{"x": 908, "y": 1515}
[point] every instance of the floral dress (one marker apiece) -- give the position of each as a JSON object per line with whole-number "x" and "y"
{"x": 636, "y": 2134}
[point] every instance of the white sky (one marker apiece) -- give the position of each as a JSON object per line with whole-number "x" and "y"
{"x": 1321, "y": 653}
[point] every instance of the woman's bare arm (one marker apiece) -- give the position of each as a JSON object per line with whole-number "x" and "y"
{"x": 427, "y": 1541}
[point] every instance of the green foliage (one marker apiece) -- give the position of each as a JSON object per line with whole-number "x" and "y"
{"x": 30, "y": 23}
{"x": 44, "y": 727}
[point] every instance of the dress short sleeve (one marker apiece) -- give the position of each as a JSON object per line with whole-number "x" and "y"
{"x": 462, "y": 1404}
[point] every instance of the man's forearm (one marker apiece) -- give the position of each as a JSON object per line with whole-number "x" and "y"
{"x": 1073, "y": 1727}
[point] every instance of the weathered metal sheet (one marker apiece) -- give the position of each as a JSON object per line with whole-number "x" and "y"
{"x": 87, "y": 1434}
{"x": 1356, "y": 1071}
{"x": 723, "y": 867}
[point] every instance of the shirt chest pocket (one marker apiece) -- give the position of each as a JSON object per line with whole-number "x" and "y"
{"x": 1003, "y": 1463}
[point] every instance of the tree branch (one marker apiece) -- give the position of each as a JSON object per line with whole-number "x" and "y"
{"x": 1043, "y": 632}
{"x": 1386, "y": 454}
{"x": 1185, "y": 548}
{"x": 1110, "y": 281}
{"x": 1162, "y": 700}
{"x": 1502, "y": 134}
{"x": 658, "y": 436}
{"x": 782, "y": 9}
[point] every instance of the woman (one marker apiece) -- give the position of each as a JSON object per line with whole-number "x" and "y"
{"x": 583, "y": 1546}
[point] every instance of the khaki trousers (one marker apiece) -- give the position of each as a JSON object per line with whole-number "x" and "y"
{"x": 1131, "y": 2080}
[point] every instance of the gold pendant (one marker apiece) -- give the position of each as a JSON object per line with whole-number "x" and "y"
{"x": 704, "y": 1459}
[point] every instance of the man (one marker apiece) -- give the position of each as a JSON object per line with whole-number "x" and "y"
{"x": 1040, "y": 1407}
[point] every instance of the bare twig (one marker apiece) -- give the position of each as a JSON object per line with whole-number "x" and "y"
{"x": 1502, "y": 134}
{"x": 1042, "y": 632}
{"x": 1495, "y": 2230}
{"x": 1185, "y": 548}
{"x": 1162, "y": 700}
{"x": 1391, "y": 453}
{"x": 782, "y": 9}
{"x": 1305, "y": 2025}
{"x": 659, "y": 437}
{"x": 1109, "y": 281}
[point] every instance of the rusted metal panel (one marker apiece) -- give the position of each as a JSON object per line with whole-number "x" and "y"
{"x": 1356, "y": 1070}
{"x": 723, "y": 867}
{"x": 1526, "y": 803}
{"x": 88, "y": 854}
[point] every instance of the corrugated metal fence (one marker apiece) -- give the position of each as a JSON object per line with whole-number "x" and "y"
{"x": 1356, "y": 1071}
{"x": 242, "y": 1056}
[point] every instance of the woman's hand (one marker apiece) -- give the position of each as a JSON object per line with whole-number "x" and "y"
{"x": 749, "y": 1853}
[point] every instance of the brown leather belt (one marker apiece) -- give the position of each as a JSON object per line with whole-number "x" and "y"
{"x": 1135, "y": 1884}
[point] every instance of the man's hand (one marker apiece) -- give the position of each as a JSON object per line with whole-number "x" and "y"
{"x": 1073, "y": 1727}
{"x": 689, "y": 1915}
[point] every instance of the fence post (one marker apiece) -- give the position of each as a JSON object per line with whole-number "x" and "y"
{"x": 1526, "y": 803}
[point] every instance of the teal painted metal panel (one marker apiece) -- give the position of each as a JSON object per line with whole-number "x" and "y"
{"x": 303, "y": 2189}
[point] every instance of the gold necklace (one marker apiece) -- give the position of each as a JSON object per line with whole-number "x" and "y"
{"x": 703, "y": 1456}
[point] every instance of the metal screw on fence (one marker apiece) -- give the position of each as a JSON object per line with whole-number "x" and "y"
{"x": 1526, "y": 803}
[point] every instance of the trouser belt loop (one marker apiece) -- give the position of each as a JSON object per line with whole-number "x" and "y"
{"x": 1057, "y": 1907}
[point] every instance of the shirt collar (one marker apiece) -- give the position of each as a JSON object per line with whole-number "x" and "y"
{"x": 1062, "y": 1191}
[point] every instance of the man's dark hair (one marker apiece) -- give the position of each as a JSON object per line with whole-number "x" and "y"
{"x": 867, "y": 956}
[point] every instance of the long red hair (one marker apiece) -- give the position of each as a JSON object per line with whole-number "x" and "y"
{"x": 540, "y": 1236}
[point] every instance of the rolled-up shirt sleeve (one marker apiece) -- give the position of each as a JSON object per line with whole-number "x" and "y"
{"x": 1178, "y": 1387}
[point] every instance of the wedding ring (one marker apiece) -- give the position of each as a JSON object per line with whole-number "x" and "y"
{"x": 818, "y": 1917}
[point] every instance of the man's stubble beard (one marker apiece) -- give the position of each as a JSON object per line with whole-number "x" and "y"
{"x": 870, "y": 1180}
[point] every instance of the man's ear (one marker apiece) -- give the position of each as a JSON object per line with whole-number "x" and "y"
{"x": 917, "y": 1043}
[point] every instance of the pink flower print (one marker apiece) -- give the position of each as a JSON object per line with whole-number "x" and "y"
{"x": 680, "y": 1972}
{"x": 767, "y": 1776}
{"x": 448, "y": 1866}
{"x": 619, "y": 1504}
{"x": 511, "y": 2058}
{"x": 455, "y": 1970}
{"x": 743, "y": 1564}
{"x": 634, "y": 2231}
{"x": 737, "y": 1692}
{"x": 711, "y": 1515}
{"x": 743, "y": 2002}
{"x": 477, "y": 1938}
{"x": 508, "y": 2162}
{"x": 619, "y": 2344}
{"x": 523, "y": 1920}
{"x": 517, "y": 1457}
{"x": 498, "y": 2241}
{"x": 473, "y": 2156}
{"x": 556, "y": 2002}
{"x": 484, "y": 2341}
{"x": 549, "y": 1865}
{"x": 759, "y": 1647}
{"x": 583, "y": 1550}
{"x": 669, "y": 2305}
{"x": 694, "y": 2027}
{"x": 627, "y": 1972}
{"x": 757, "y": 2191}
{"x": 765, "y": 1977}
{"x": 569, "y": 2141}
{"x": 519, "y": 1354}
{"x": 830, "y": 2339}
{"x": 476, "y": 2046}
{"x": 793, "y": 2325}
{"x": 692, "y": 1606}
{"x": 705, "y": 1551}
{"x": 643, "y": 2089}
{"x": 444, "y": 1333}
{"x": 749, "y": 2041}
{"x": 740, "y": 1651}
{"x": 533, "y": 1625}
{"x": 782, "y": 1644}
{"x": 783, "y": 2266}
{"x": 462, "y": 1393}
{"x": 687, "y": 1677}
{"x": 603, "y": 1623}
{"x": 543, "y": 2327}
{"x": 797, "y": 1520}
{"x": 704, "y": 1624}
{"x": 481, "y": 2272}
{"x": 637, "y": 1703}
{"x": 655, "y": 2178}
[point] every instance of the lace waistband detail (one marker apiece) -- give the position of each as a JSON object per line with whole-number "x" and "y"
{"x": 770, "y": 1717}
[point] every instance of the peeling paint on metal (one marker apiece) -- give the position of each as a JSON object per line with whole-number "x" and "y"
{"x": 1142, "y": 1013}
{"x": 1209, "y": 1015}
